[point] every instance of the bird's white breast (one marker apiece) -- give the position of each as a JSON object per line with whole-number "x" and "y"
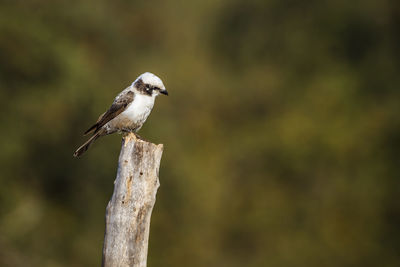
{"x": 139, "y": 109}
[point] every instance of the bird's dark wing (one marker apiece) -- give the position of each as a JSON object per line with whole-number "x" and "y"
{"x": 119, "y": 105}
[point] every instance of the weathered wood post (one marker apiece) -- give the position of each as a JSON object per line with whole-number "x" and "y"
{"x": 129, "y": 210}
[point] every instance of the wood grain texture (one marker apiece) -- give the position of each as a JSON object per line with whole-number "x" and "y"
{"x": 129, "y": 210}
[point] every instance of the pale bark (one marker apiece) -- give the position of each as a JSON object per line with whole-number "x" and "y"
{"x": 129, "y": 210}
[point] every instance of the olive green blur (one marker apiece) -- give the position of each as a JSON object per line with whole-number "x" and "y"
{"x": 281, "y": 130}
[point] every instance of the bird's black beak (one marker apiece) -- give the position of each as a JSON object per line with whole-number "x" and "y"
{"x": 164, "y": 92}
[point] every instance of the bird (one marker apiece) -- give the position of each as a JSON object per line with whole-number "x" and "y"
{"x": 129, "y": 110}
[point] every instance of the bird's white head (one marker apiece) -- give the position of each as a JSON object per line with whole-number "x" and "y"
{"x": 149, "y": 84}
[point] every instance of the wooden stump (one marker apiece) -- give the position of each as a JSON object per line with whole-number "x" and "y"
{"x": 129, "y": 210}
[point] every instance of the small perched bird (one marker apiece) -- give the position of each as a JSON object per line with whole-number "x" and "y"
{"x": 129, "y": 110}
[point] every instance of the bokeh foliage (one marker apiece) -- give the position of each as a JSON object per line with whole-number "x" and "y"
{"x": 281, "y": 131}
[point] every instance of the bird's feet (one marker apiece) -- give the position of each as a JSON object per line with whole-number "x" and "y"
{"x": 129, "y": 135}
{"x": 140, "y": 138}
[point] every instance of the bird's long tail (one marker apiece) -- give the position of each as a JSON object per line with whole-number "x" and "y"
{"x": 83, "y": 148}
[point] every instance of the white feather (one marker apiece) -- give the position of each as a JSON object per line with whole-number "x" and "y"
{"x": 139, "y": 109}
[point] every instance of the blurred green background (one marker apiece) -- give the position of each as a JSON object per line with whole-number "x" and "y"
{"x": 281, "y": 131}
